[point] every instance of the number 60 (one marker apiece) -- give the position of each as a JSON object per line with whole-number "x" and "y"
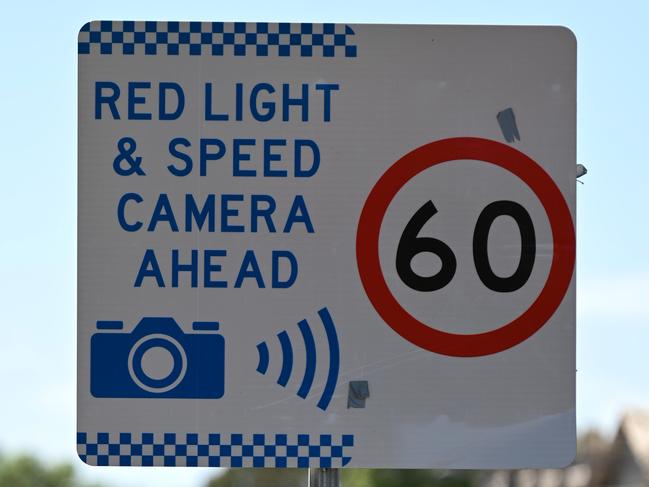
{"x": 410, "y": 245}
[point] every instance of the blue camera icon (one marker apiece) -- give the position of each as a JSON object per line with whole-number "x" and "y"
{"x": 157, "y": 359}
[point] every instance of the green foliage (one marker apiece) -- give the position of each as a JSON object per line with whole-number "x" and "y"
{"x": 290, "y": 477}
{"x": 406, "y": 478}
{"x": 26, "y": 471}
{"x": 350, "y": 478}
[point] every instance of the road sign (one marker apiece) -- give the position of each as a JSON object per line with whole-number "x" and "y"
{"x": 319, "y": 245}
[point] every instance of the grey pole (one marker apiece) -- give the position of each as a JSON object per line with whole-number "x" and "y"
{"x": 324, "y": 477}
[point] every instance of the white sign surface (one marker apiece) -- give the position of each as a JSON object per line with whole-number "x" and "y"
{"x": 326, "y": 245}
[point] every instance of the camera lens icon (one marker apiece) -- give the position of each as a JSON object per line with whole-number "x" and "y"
{"x": 157, "y": 363}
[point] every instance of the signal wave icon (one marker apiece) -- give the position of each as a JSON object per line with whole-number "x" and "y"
{"x": 311, "y": 358}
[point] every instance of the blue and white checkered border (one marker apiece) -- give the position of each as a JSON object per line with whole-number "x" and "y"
{"x": 271, "y": 450}
{"x": 108, "y": 37}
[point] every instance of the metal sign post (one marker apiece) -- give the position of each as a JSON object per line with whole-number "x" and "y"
{"x": 324, "y": 477}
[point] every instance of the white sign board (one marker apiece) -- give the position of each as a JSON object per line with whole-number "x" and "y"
{"x": 326, "y": 245}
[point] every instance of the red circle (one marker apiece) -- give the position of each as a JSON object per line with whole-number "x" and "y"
{"x": 477, "y": 344}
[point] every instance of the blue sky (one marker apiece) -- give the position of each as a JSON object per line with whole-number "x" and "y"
{"x": 38, "y": 197}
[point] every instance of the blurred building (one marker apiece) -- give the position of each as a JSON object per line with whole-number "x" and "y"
{"x": 627, "y": 461}
{"x": 623, "y": 462}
